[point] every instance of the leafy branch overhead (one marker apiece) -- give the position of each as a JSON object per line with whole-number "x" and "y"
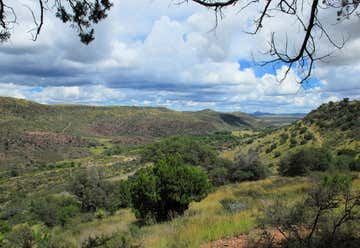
{"x": 299, "y": 55}
{"x": 80, "y": 14}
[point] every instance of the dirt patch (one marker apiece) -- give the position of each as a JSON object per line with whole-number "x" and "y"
{"x": 238, "y": 242}
{"x": 42, "y": 139}
{"x": 136, "y": 140}
{"x": 245, "y": 241}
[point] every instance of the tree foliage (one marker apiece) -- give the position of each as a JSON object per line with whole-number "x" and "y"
{"x": 190, "y": 150}
{"x": 248, "y": 168}
{"x": 303, "y": 160}
{"x": 53, "y": 211}
{"x": 94, "y": 192}
{"x": 80, "y": 14}
{"x": 166, "y": 189}
{"x": 327, "y": 217}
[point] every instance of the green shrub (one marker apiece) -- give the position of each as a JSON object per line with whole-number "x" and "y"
{"x": 248, "y": 168}
{"x": 309, "y": 136}
{"x": 326, "y": 217}
{"x": 94, "y": 192}
{"x": 190, "y": 151}
{"x": 116, "y": 240}
{"x": 277, "y": 154}
{"x": 166, "y": 189}
{"x": 303, "y": 160}
{"x": 283, "y": 138}
{"x": 100, "y": 214}
{"x": 293, "y": 142}
{"x": 53, "y": 211}
{"x": 347, "y": 160}
{"x": 90, "y": 188}
{"x": 219, "y": 172}
{"x": 271, "y": 148}
{"x": 21, "y": 236}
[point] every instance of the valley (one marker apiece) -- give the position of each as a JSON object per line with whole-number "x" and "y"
{"x": 65, "y": 170}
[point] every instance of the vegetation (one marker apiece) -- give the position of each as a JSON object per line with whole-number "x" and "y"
{"x": 94, "y": 192}
{"x": 303, "y": 160}
{"x": 33, "y": 135}
{"x": 158, "y": 194}
{"x": 248, "y": 168}
{"x": 55, "y": 211}
{"x": 325, "y": 217}
{"x": 167, "y": 189}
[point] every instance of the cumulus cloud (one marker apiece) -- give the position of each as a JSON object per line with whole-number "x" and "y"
{"x": 159, "y": 54}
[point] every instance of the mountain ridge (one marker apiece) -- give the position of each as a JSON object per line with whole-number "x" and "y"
{"x": 43, "y": 133}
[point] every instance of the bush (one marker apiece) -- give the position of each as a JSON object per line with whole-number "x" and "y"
{"x": 94, "y": 192}
{"x": 347, "y": 162}
{"x": 190, "y": 151}
{"x": 293, "y": 142}
{"x": 219, "y": 172}
{"x": 118, "y": 196}
{"x": 116, "y": 240}
{"x": 303, "y": 160}
{"x": 327, "y": 217}
{"x": 21, "y": 236}
{"x": 219, "y": 175}
{"x": 283, "y": 138}
{"x": 277, "y": 154}
{"x": 166, "y": 189}
{"x": 90, "y": 188}
{"x": 309, "y": 136}
{"x": 248, "y": 168}
{"x": 53, "y": 211}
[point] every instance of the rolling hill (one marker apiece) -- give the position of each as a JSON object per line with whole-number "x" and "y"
{"x": 335, "y": 126}
{"x": 33, "y": 133}
{"x": 40, "y": 133}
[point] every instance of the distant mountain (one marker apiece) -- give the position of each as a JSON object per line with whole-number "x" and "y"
{"x": 266, "y": 114}
{"x": 278, "y": 119}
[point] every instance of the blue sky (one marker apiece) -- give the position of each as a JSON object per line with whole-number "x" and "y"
{"x": 157, "y": 53}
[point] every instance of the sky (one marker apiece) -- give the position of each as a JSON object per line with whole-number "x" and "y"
{"x": 159, "y": 53}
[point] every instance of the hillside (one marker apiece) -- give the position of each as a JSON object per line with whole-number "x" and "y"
{"x": 32, "y": 133}
{"x": 334, "y": 125}
{"x": 45, "y": 199}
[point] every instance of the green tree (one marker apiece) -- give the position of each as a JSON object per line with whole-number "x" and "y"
{"x": 189, "y": 150}
{"x": 167, "y": 189}
{"x": 303, "y": 160}
{"x": 95, "y": 192}
{"x": 248, "y": 167}
{"x": 90, "y": 188}
{"x": 54, "y": 211}
{"x": 22, "y": 236}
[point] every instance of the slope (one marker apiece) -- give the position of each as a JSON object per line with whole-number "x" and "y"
{"x": 33, "y": 133}
{"x": 333, "y": 125}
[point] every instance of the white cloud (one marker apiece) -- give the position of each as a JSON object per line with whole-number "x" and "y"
{"x": 96, "y": 94}
{"x": 158, "y": 53}
{"x": 12, "y": 90}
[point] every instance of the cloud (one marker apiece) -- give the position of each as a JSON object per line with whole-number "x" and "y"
{"x": 155, "y": 53}
{"x": 95, "y": 94}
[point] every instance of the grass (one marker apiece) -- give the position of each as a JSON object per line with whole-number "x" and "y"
{"x": 204, "y": 221}
{"x": 207, "y": 220}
